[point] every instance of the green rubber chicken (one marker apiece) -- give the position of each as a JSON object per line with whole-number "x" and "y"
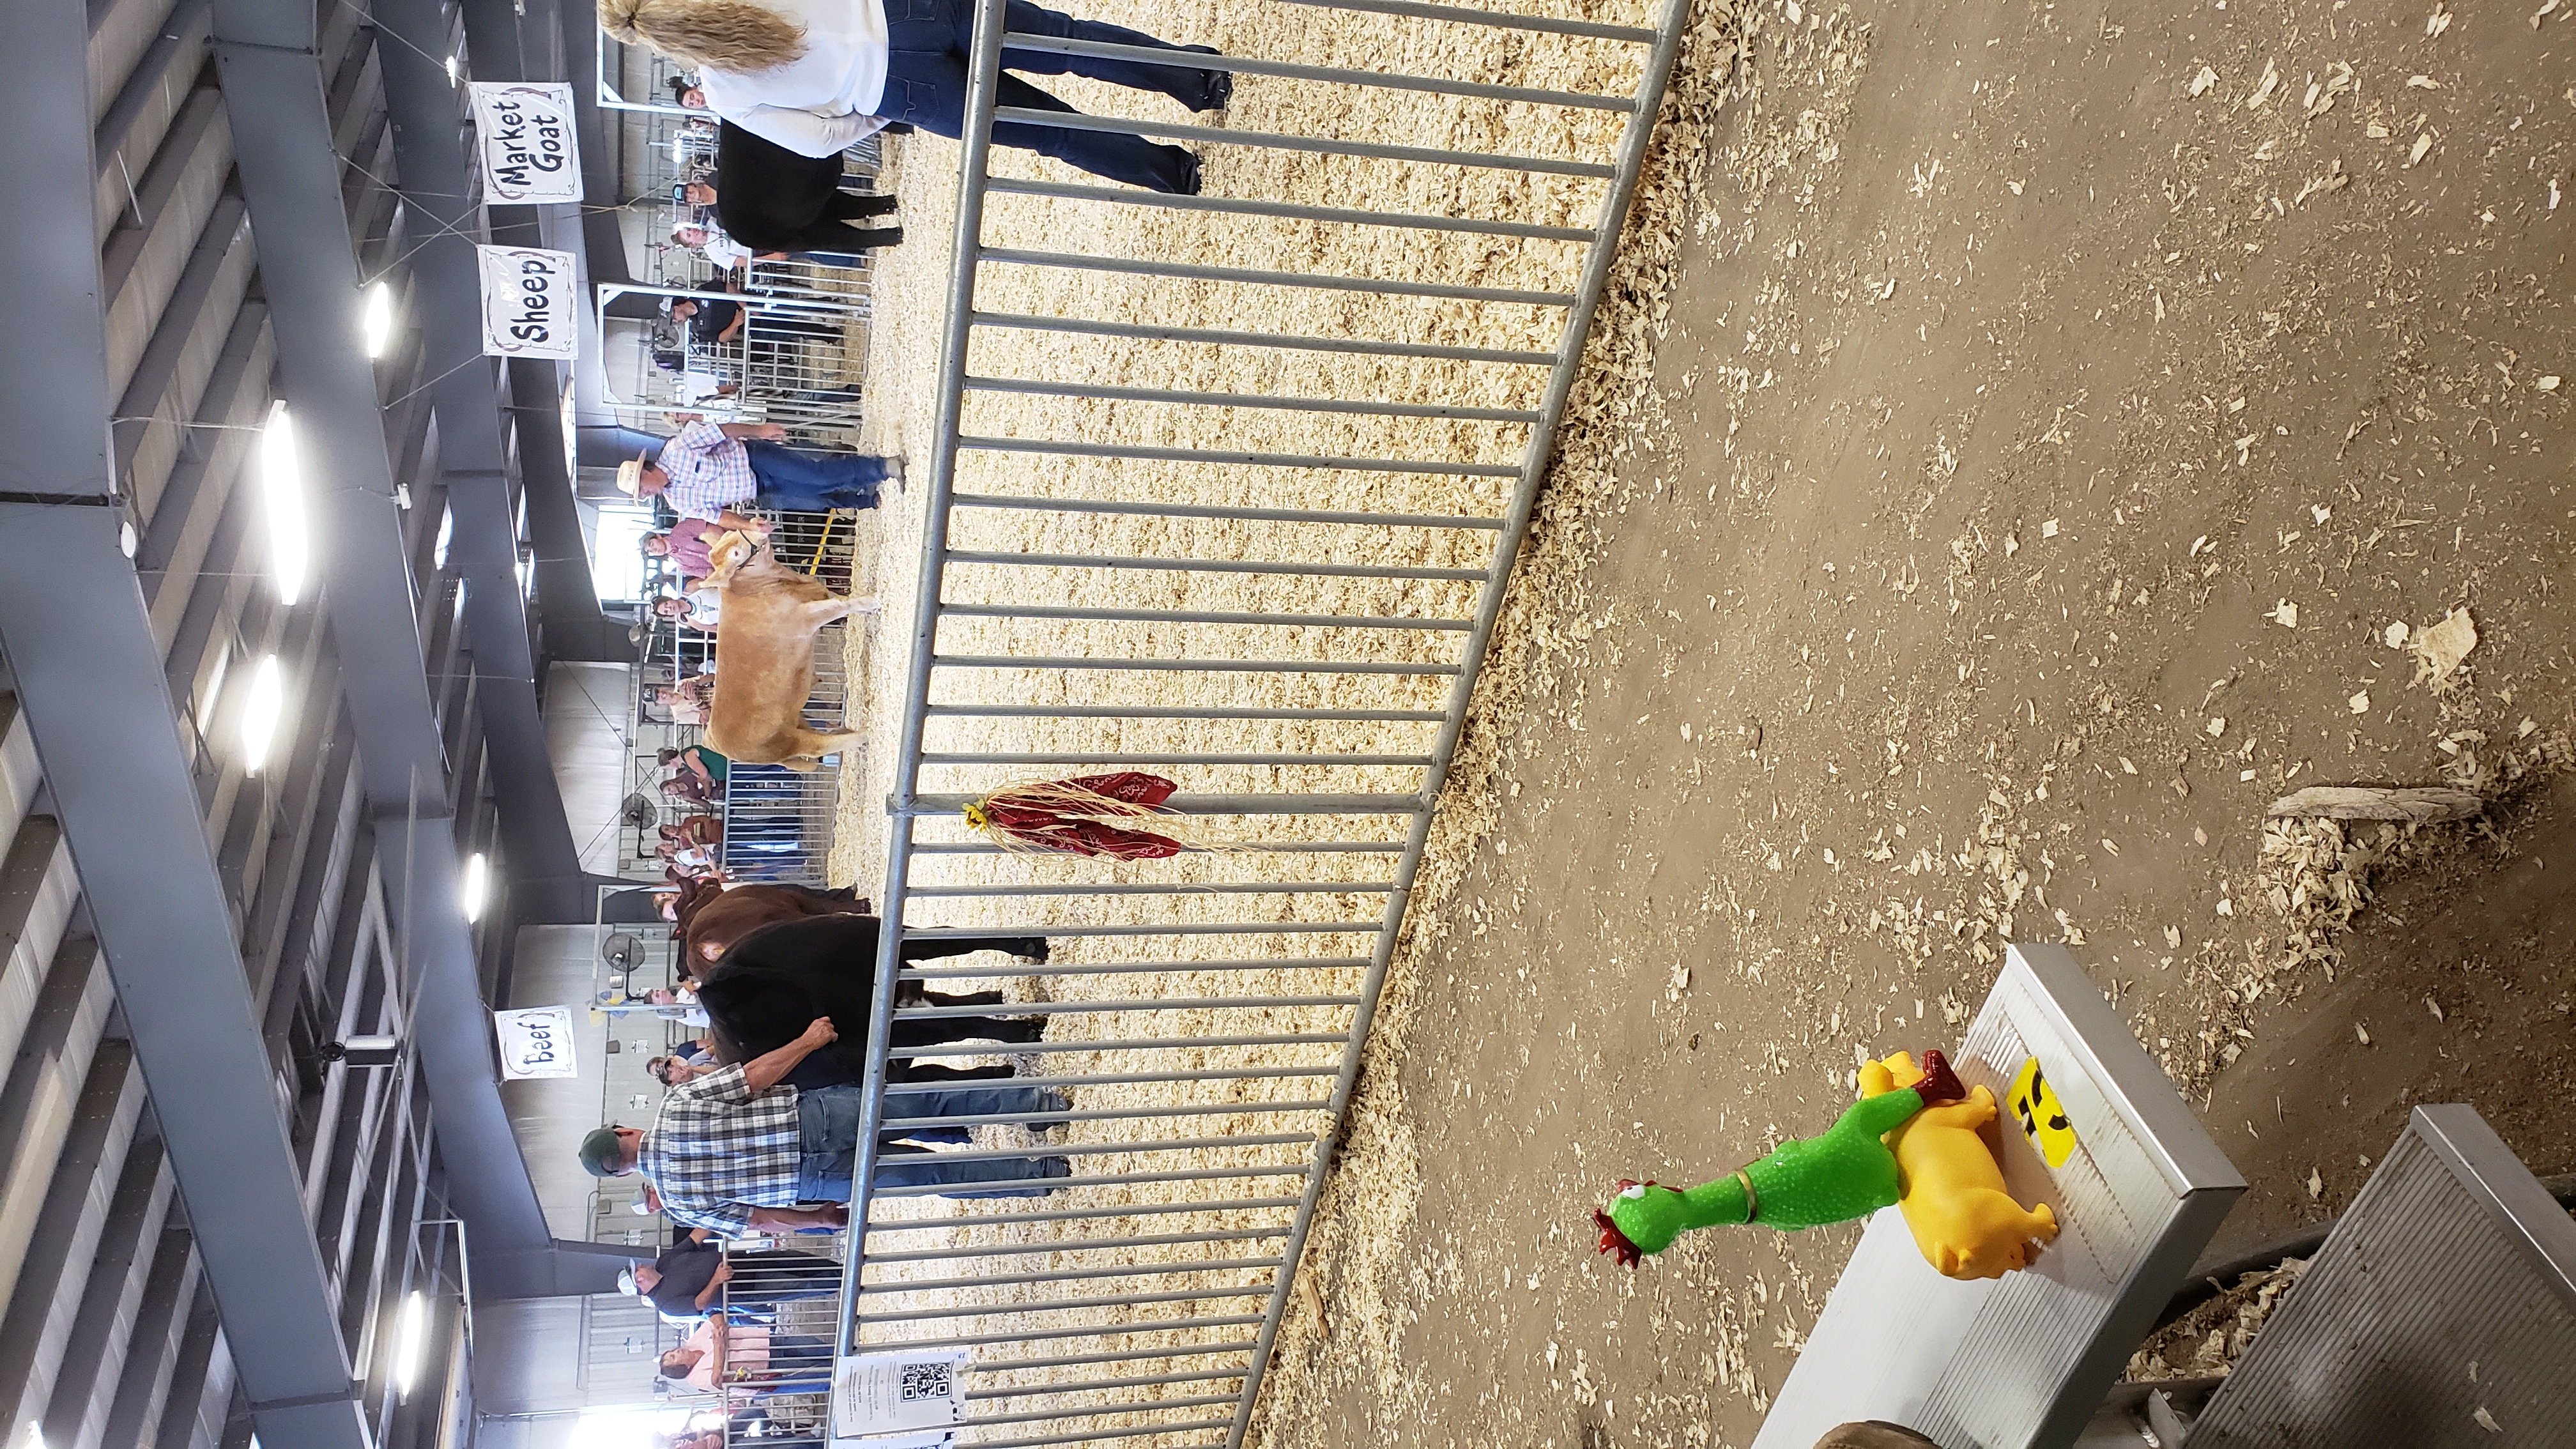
{"x": 1846, "y": 1173}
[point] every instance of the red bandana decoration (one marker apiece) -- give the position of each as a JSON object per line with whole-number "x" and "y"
{"x": 1076, "y": 816}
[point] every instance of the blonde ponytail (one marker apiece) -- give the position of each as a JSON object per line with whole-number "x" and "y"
{"x": 726, "y": 35}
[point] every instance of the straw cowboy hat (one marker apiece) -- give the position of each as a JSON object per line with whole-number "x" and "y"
{"x": 630, "y": 475}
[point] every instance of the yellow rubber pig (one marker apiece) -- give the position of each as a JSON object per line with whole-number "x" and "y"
{"x": 1952, "y": 1190}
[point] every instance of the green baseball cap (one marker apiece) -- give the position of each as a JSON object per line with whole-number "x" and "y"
{"x": 602, "y": 1155}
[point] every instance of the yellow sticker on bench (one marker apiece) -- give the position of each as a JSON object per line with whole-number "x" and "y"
{"x": 2033, "y": 1104}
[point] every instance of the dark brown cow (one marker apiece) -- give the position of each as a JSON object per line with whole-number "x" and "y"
{"x": 714, "y": 924}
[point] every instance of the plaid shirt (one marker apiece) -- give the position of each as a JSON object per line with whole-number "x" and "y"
{"x": 717, "y": 1151}
{"x": 709, "y": 472}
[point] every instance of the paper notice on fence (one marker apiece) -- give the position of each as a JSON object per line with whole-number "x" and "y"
{"x": 909, "y": 1394}
{"x": 536, "y": 1041}
{"x": 528, "y": 302}
{"x": 525, "y": 133}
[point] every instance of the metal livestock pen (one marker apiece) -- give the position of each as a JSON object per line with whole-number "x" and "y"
{"x": 1323, "y": 604}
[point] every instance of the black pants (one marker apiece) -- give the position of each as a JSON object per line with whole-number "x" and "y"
{"x": 926, "y": 86}
{"x": 771, "y": 199}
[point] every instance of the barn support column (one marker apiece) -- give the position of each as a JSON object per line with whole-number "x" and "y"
{"x": 432, "y": 167}
{"x": 274, "y": 93}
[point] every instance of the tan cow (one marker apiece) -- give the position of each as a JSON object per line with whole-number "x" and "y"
{"x": 765, "y": 631}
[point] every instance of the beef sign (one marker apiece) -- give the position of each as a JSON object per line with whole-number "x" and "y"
{"x": 536, "y": 1041}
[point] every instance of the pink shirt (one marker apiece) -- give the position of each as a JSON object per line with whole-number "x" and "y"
{"x": 690, "y": 538}
{"x": 746, "y": 1353}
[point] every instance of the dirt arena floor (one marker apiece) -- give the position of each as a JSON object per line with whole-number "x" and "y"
{"x": 2055, "y": 433}
{"x": 2014, "y": 398}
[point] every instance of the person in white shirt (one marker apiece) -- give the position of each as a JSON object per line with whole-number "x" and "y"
{"x": 815, "y": 76}
{"x": 697, "y": 387}
{"x": 722, "y": 251}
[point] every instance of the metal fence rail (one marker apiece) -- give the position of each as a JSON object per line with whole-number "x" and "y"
{"x": 1176, "y": 524}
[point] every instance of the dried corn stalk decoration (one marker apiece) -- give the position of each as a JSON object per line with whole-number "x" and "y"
{"x": 1087, "y": 815}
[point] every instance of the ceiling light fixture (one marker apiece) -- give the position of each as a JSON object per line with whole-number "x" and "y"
{"x": 261, "y": 709}
{"x": 376, "y": 320}
{"x": 409, "y": 1341}
{"x": 477, "y": 884}
{"x": 281, "y": 486}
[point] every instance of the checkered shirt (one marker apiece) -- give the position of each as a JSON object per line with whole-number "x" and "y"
{"x": 718, "y": 1150}
{"x": 709, "y": 472}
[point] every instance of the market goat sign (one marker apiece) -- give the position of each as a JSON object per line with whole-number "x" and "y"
{"x": 528, "y": 302}
{"x": 526, "y": 136}
{"x": 536, "y": 1041}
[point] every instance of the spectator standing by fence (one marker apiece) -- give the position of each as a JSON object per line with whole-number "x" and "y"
{"x": 688, "y": 540}
{"x": 738, "y": 1151}
{"x": 749, "y": 1359}
{"x": 697, "y": 1275}
{"x": 815, "y": 76}
{"x": 707, "y": 469}
{"x": 777, "y": 199}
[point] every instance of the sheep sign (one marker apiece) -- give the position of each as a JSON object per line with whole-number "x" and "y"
{"x": 525, "y": 134}
{"x": 536, "y": 1041}
{"x": 528, "y": 297}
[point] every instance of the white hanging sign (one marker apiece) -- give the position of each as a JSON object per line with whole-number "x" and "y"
{"x": 526, "y": 136}
{"x": 916, "y": 1394}
{"x": 529, "y": 302}
{"x": 536, "y": 1041}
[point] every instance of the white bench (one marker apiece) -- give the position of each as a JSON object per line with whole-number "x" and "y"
{"x": 2022, "y": 1362}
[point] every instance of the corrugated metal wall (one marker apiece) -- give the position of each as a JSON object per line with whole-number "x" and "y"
{"x": 109, "y": 1338}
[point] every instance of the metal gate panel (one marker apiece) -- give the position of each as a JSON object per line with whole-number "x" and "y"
{"x": 1260, "y": 551}
{"x": 2441, "y": 1311}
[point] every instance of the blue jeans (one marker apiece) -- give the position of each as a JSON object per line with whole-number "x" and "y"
{"x": 764, "y": 1278}
{"x": 798, "y": 1363}
{"x": 926, "y": 85}
{"x": 803, "y": 482}
{"x": 827, "y": 1120}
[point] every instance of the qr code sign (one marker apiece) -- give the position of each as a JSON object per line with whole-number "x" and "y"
{"x": 927, "y": 1381}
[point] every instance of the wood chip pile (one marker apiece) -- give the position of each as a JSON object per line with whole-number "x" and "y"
{"x": 2210, "y": 1338}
